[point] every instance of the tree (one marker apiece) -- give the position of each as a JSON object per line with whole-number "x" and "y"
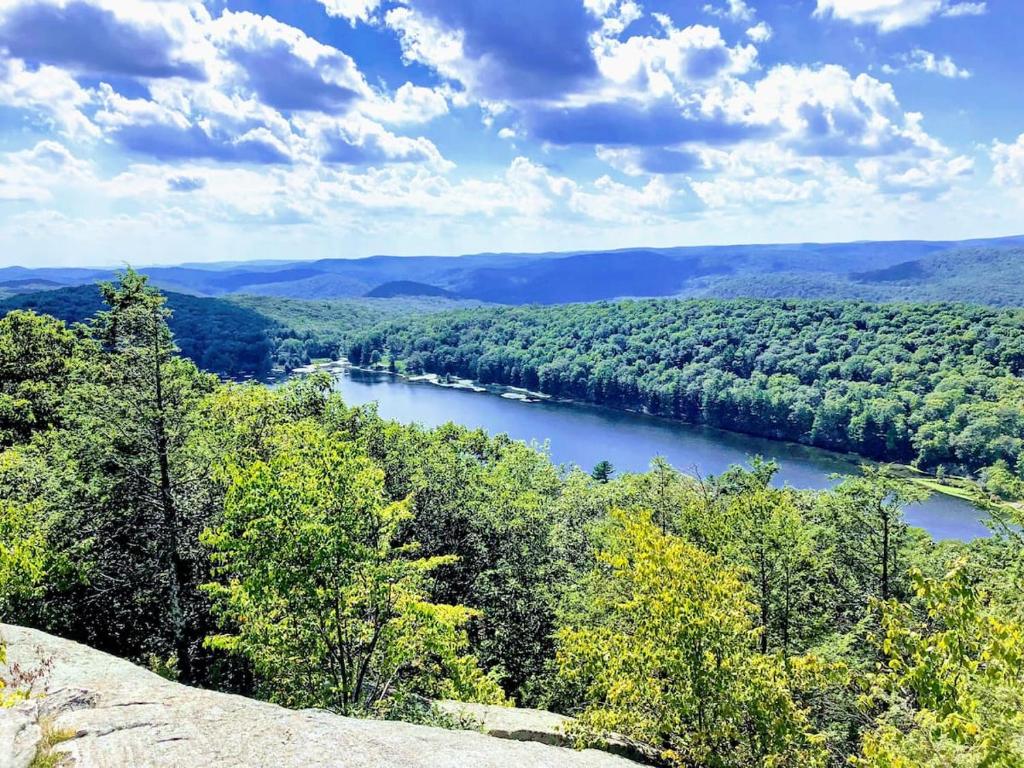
{"x": 603, "y": 471}
{"x": 23, "y": 549}
{"x": 318, "y": 595}
{"x": 950, "y": 688}
{"x": 866, "y": 520}
{"x": 123, "y": 480}
{"x": 35, "y": 357}
{"x": 777, "y": 549}
{"x": 667, "y": 657}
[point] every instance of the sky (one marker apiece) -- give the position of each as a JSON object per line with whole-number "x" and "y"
{"x": 168, "y": 131}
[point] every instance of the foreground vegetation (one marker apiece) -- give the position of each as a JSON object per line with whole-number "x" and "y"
{"x": 938, "y": 385}
{"x": 279, "y": 543}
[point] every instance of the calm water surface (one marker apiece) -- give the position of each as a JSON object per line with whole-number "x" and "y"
{"x": 585, "y": 435}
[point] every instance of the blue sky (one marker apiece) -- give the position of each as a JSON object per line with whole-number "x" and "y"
{"x": 151, "y": 131}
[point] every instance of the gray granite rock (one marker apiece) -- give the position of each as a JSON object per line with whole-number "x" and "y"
{"x": 20, "y": 735}
{"x": 122, "y": 715}
{"x": 537, "y": 725}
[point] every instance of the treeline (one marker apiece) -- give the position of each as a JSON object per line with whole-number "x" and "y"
{"x": 304, "y": 330}
{"x": 244, "y": 336}
{"x": 279, "y": 542}
{"x": 218, "y": 336}
{"x": 937, "y": 385}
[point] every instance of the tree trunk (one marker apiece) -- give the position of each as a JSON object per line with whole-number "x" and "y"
{"x": 173, "y": 563}
{"x": 764, "y": 603}
{"x": 885, "y": 555}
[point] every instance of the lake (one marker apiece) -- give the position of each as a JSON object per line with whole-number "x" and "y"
{"x": 584, "y": 435}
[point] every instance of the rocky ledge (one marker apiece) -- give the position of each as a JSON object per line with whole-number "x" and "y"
{"x": 98, "y": 711}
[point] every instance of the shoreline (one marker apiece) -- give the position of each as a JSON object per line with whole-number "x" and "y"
{"x": 957, "y": 487}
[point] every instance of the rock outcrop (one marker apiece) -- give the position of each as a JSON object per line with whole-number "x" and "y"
{"x": 114, "y": 714}
{"x": 520, "y": 724}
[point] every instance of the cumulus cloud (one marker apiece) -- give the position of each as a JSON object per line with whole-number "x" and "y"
{"x": 352, "y": 10}
{"x": 612, "y": 201}
{"x": 676, "y": 60}
{"x": 921, "y": 178}
{"x": 183, "y": 126}
{"x": 735, "y": 10}
{"x": 760, "y": 32}
{"x": 890, "y": 15}
{"x": 238, "y": 118}
{"x": 534, "y": 50}
{"x": 1008, "y": 163}
{"x": 121, "y": 37}
{"x": 358, "y": 141}
{"x": 651, "y": 160}
{"x": 926, "y": 61}
{"x": 50, "y": 93}
{"x": 239, "y": 88}
{"x": 826, "y": 111}
{"x": 285, "y": 68}
{"x": 409, "y": 104}
{"x": 31, "y": 175}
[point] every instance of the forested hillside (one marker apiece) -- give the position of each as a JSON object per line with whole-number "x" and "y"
{"x": 960, "y": 275}
{"x": 245, "y": 335}
{"x": 278, "y": 543}
{"x": 935, "y": 384}
{"x": 877, "y": 271}
{"x": 218, "y": 336}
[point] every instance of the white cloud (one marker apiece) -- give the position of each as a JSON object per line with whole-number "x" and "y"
{"x": 283, "y": 66}
{"x": 760, "y": 32}
{"x": 262, "y": 87}
{"x": 734, "y": 10}
{"x": 615, "y": 15}
{"x": 767, "y": 175}
{"x": 353, "y": 10}
{"x": 611, "y": 201}
{"x": 134, "y": 38}
{"x": 48, "y": 92}
{"x": 824, "y": 111}
{"x": 1008, "y": 160}
{"x": 922, "y": 178}
{"x": 657, "y": 67}
{"x": 965, "y": 9}
{"x": 410, "y": 104}
{"x": 427, "y": 43}
{"x": 357, "y": 140}
{"x": 33, "y": 174}
{"x": 926, "y": 61}
{"x": 889, "y": 15}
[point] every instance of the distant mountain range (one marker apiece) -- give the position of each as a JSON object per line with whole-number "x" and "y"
{"x": 981, "y": 271}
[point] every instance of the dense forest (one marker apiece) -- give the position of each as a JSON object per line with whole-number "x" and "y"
{"x": 243, "y": 336}
{"x": 218, "y": 336}
{"x": 958, "y": 275}
{"x": 278, "y": 543}
{"x": 934, "y": 384}
{"x": 874, "y": 271}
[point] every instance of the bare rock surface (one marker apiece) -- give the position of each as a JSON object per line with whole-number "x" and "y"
{"x": 520, "y": 724}
{"x": 510, "y": 722}
{"x": 121, "y": 715}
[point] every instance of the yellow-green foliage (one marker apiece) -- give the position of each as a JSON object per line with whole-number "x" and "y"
{"x": 950, "y": 688}
{"x": 22, "y": 534}
{"x": 668, "y": 658}
{"x": 22, "y": 557}
{"x": 322, "y": 599}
